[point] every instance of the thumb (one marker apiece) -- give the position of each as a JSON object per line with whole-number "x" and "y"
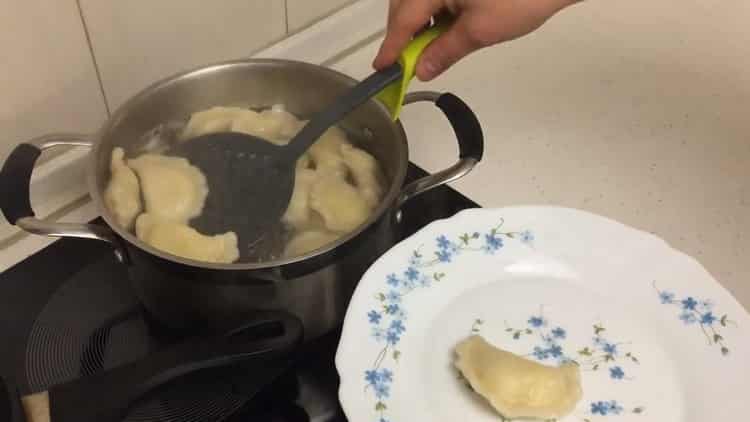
{"x": 446, "y": 50}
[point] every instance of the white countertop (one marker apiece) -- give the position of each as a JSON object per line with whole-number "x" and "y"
{"x": 633, "y": 110}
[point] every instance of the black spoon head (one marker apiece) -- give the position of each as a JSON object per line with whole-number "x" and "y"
{"x": 250, "y": 183}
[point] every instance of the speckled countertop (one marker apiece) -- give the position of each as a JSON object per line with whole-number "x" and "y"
{"x": 634, "y": 110}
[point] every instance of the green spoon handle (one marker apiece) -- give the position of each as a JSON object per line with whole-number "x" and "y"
{"x": 393, "y": 95}
{"x": 341, "y": 107}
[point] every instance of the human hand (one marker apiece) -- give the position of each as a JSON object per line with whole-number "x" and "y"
{"x": 478, "y": 24}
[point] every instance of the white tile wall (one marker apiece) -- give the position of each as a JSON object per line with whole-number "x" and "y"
{"x": 302, "y": 13}
{"x": 48, "y": 81}
{"x": 137, "y": 42}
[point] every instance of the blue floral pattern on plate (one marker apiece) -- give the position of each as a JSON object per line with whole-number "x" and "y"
{"x": 608, "y": 408}
{"x": 602, "y": 353}
{"x": 700, "y": 313}
{"x": 388, "y": 319}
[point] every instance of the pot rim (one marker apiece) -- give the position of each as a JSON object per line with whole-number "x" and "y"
{"x": 386, "y": 203}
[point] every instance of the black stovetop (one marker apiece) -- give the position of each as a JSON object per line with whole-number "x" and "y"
{"x": 67, "y": 312}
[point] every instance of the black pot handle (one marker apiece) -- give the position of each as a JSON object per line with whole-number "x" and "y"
{"x": 470, "y": 142}
{"x": 15, "y": 181}
{"x": 108, "y": 395}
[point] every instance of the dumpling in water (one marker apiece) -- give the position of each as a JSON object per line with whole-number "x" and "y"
{"x": 215, "y": 119}
{"x": 290, "y": 129}
{"x": 173, "y": 189}
{"x": 517, "y": 387}
{"x": 248, "y": 121}
{"x": 326, "y": 152}
{"x": 123, "y": 194}
{"x": 366, "y": 173}
{"x": 287, "y": 123}
{"x": 340, "y": 204}
{"x": 298, "y": 213}
{"x": 275, "y": 125}
{"x": 308, "y": 241}
{"x": 182, "y": 240}
{"x": 303, "y": 162}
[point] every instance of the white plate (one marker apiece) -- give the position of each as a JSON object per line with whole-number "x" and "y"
{"x": 658, "y": 339}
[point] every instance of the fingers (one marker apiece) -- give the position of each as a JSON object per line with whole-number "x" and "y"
{"x": 446, "y": 50}
{"x": 405, "y": 19}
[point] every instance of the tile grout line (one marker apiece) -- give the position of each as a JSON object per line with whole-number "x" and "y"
{"x": 286, "y": 17}
{"x": 93, "y": 58}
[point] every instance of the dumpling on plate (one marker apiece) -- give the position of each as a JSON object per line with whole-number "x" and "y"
{"x": 307, "y": 241}
{"x": 212, "y": 120}
{"x": 340, "y": 204}
{"x": 173, "y": 189}
{"x": 182, "y": 240}
{"x": 123, "y": 194}
{"x": 515, "y": 386}
{"x": 366, "y": 173}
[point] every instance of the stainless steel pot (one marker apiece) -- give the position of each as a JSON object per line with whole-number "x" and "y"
{"x": 189, "y": 295}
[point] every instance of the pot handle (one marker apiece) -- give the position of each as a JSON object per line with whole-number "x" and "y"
{"x": 15, "y": 198}
{"x": 470, "y": 142}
